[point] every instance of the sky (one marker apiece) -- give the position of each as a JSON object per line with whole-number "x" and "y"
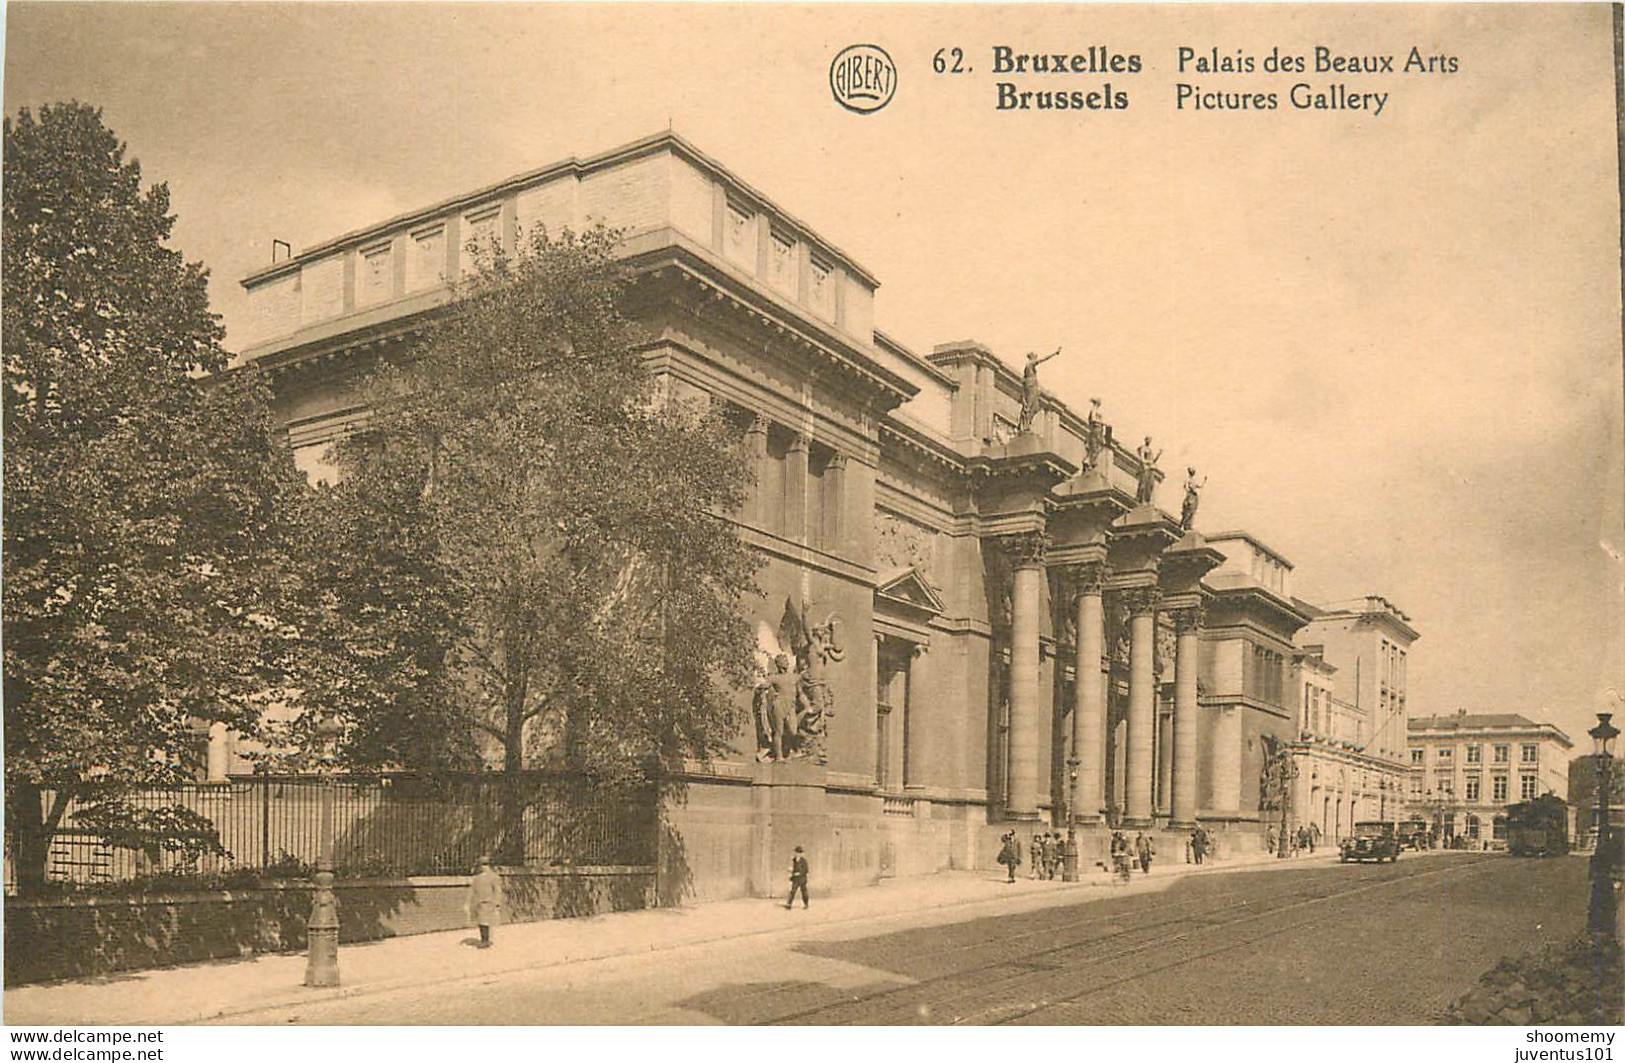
{"x": 1391, "y": 341}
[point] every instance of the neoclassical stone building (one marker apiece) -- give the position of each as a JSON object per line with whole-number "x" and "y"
{"x": 1029, "y": 639}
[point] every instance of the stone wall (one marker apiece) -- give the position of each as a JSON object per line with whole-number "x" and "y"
{"x": 75, "y": 937}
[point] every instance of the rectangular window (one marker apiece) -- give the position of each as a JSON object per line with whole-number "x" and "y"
{"x": 1529, "y": 754}
{"x": 1416, "y": 786}
{"x": 376, "y": 281}
{"x": 1445, "y": 784}
{"x": 426, "y": 268}
{"x": 1445, "y": 754}
{"x": 1472, "y": 788}
{"x": 1501, "y": 753}
{"x": 1528, "y": 786}
{"x": 1498, "y": 789}
{"x": 739, "y": 237}
{"x": 482, "y": 235}
{"x": 781, "y": 263}
{"x": 1416, "y": 756}
{"x": 1474, "y": 754}
{"x": 821, "y": 289}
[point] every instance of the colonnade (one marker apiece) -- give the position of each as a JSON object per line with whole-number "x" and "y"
{"x": 1027, "y": 763}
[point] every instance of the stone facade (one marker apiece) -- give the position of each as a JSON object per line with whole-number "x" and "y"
{"x": 1466, "y": 768}
{"x": 1025, "y": 640}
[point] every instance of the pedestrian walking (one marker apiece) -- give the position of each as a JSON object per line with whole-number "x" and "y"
{"x": 1145, "y": 848}
{"x": 1120, "y": 856}
{"x": 1010, "y": 853}
{"x": 1057, "y": 856}
{"x": 1046, "y": 850}
{"x": 485, "y": 899}
{"x": 1269, "y": 840}
{"x": 798, "y": 879}
{"x": 1035, "y": 857}
{"x": 1198, "y": 844}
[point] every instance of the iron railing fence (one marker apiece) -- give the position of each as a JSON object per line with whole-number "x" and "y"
{"x": 394, "y": 824}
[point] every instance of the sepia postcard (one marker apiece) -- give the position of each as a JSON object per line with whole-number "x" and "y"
{"x": 692, "y": 514}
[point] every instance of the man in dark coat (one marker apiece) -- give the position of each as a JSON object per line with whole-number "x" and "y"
{"x": 798, "y": 878}
{"x": 1010, "y": 854}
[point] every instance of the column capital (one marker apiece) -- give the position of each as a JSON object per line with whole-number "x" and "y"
{"x": 1142, "y": 601}
{"x": 758, "y": 424}
{"x": 1188, "y": 619}
{"x": 801, "y": 441}
{"x": 1088, "y": 577}
{"x": 1025, "y": 549}
{"x": 837, "y": 460}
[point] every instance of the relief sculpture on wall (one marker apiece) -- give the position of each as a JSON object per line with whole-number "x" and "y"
{"x": 793, "y": 702}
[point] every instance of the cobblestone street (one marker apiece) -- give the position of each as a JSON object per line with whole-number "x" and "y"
{"x": 1320, "y": 944}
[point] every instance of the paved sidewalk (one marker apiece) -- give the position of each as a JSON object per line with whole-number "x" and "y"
{"x": 199, "y": 992}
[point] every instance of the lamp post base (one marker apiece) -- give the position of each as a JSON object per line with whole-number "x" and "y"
{"x": 322, "y": 934}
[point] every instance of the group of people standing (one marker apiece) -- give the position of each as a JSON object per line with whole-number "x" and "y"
{"x": 1201, "y": 846}
{"x": 1126, "y": 854}
{"x": 1045, "y": 854}
{"x": 1302, "y": 840}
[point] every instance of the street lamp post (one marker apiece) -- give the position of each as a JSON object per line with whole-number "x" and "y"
{"x": 322, "y": 930}
{"x": 1603, "y": 916}
{"x": 1069, "y": 855}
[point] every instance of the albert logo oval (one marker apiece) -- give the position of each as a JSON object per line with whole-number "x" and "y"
{"x": 863, "y": 78}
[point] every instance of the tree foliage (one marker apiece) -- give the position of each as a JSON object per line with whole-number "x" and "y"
{"x": 527, "y": 534}
{"x": 149, "y": 506}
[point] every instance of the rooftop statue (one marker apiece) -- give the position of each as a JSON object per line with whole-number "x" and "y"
{"x": 1187, "y": 512}
{"x": 1030, "y": 391}
{"x": 1147, "y": 482}
{"x": 1096, "y": 433}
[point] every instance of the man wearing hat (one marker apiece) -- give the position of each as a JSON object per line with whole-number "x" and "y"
{"x": 485, "y": 898}
{"x": 798, "y": 878}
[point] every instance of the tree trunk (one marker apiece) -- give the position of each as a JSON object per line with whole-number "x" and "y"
{"x": 513, "y": 788}
{"x": 30, "y": 828}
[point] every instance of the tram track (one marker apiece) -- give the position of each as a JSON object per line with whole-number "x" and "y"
{"x": 1026, "y": 979}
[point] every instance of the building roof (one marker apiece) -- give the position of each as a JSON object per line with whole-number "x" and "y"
{"x": 1465, "y": 721}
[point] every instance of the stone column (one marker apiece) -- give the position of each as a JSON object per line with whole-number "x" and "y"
{"x": 1089, "y": 697}
{"x": 1026, "y": 609}
{"x": 1142, "y": 709}
{"x": 795, "y": 490}
{"x": 835, "y": 522}
{"x": 756, "y": 504}
{"x": 1187, "y": 623}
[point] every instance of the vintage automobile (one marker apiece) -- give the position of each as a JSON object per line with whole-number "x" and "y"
{"x": 1372, "y": 840}
{"x": 1413, "y": 834}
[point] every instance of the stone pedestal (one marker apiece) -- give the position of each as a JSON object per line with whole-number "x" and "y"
{"x": 788, "y": 809}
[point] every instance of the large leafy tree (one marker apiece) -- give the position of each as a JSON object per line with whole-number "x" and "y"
{"x": 527, "y": 533}
{"x": 149, "y": 508}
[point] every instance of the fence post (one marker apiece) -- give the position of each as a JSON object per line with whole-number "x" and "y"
{"x": 264, "y": 784}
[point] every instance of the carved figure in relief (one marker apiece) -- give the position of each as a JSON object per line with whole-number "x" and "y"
{"x": 1030, "y": 391}
{"x": 1148, "y": 472}
{"x": 793, "y": 709}
{"x": 775, "y": 705}
{"x": 1187, "y": 512}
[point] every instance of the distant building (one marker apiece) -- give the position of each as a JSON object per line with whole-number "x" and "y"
{"x": 1583, "y": 782}
{"x": 1351, "y": 683}
{"x": 1465, "y": 769}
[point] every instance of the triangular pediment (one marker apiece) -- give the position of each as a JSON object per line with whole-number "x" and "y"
{"x": 906, "y": 587}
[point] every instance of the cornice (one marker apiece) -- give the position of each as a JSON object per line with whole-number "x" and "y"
{"x": 574, "y": 166}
